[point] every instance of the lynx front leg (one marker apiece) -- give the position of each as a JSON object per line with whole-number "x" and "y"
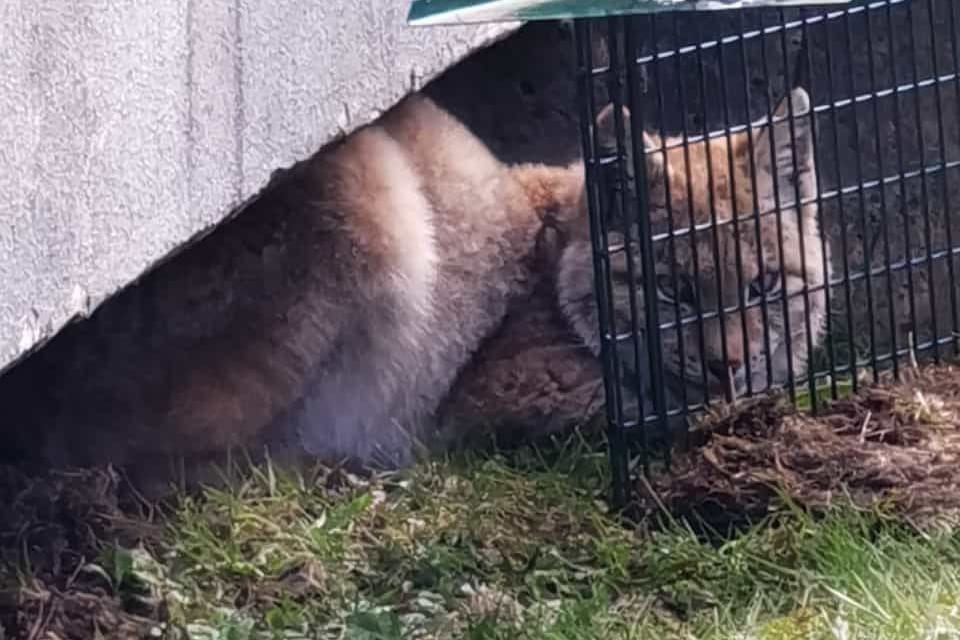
{"x": 780, "y": 364}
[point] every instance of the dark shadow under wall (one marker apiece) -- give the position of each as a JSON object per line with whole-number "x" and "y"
{"x": 519, "y": 95}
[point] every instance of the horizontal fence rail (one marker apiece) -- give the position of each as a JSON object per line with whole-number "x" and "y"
{"x": 771, "y": 197}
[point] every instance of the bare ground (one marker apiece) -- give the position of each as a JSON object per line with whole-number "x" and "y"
{"x": 52, "y": 529}
{"x": 892, "y": 446}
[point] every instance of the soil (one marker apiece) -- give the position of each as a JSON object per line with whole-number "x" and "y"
{"x": 891, "y": 446}
{"x": 51, "y": 528}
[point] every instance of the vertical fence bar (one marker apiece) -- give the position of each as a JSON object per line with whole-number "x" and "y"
{"x": 884, "y": 215}
{"x": 924, "y": 195}
{"x": 761, "y": 263}
{"x": 738, "y": 249}
{"x": 619, "y": 455}
{"x": 641, "y": 254}
{"x": 615, "y": 84}
{"x": 694, "y": 250}
{"x": 645, "y": 239}
{"x": 801, "y": 241}
{"x": 867, "y": 253}
{"x": 778, "y": 214}
{"x": 955, "y": 58}
{"x": 821, "y": 223}
{"x": 671, "y": 228}
{"x": 901, "y": 171}
{"x": 714, "y": 233}
{"x": 945, "y": 183}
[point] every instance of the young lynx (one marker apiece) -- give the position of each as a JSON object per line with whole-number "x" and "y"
{"x": 717, "y": 356}
{"x": 336, "y": 310}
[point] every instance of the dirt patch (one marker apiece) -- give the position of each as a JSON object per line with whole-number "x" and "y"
{"x": 54, "y": 531}
{"x": 891, "y": 446}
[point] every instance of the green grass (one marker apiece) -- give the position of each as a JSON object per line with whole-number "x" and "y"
{"x": 824, "y": 392}
{"x": 521, "y": 546}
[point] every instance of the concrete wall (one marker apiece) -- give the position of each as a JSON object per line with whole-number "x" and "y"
{"x": 129, "y": 127}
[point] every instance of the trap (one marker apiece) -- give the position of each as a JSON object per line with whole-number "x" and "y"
{"x": 771, "y": 188}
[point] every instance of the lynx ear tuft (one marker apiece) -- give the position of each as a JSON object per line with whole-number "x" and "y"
{"x": 799, "y": 102}
{"x": 606, "y": 132}
{"x": 792, "y": 142}
{"x": 607, "y": 128}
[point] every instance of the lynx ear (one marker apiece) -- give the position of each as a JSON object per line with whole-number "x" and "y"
{"x": 606, "y": 128}
{"x": 606, "y": 136}
{"x": 799, "y": 103}
{"x": 786, "y": 145}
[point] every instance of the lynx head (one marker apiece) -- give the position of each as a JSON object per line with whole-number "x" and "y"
{"x": 720, "y": 255}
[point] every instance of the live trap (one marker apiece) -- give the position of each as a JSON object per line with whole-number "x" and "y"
{"x": 771, "y": 190}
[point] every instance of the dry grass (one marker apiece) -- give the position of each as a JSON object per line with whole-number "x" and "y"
{"x": 893, "y": 447}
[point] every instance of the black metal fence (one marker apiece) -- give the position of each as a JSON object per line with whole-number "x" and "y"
{"x": 786, "y": 177}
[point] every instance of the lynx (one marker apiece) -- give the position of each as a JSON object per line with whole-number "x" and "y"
{"x": 335, "y": 311}
{"x": 715, "y": 355}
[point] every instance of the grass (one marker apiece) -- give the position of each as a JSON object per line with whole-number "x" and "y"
{"x": 521, "y": 547}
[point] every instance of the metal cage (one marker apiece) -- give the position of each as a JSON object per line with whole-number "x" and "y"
{"x": 805, "y": 250}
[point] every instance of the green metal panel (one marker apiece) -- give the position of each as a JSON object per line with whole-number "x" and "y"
{"x": 428, "y": 12}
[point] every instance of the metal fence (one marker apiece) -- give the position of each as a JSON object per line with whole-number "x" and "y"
{"x": 771, "y": 198}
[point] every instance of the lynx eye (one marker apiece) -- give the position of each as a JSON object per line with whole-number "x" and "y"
{"x": 682, "y": 293}
{"x": 769, "y": 284}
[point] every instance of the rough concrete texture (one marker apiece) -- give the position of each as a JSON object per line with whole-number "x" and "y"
{"x": 130, "y": 127}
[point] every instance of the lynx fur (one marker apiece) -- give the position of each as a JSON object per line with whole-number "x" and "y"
{"x": 335, "y": 312}
{"x": 729, "y": 351}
